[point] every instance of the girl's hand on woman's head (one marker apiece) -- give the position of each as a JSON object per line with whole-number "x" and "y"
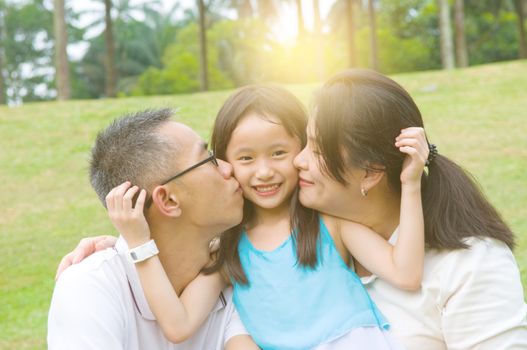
{"x": 129, "y": 220}
{"x": 412, "y": 141}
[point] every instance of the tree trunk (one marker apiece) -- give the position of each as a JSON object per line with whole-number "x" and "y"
{"x": 109, "y": 61}
{"x": 61, "y": 55}
{"x": 374, "y": 53}
{"x": 3, "y": 92}
{"x": 319, "y": 49}
{"x": 352, "y": 49}
{"x": 204, "y": 75}
{"x": 244, "y": 8}
{"x": 519, "y": 6}
{"x": 447, "y": 49}
{"x": 2, "y": 82}
{"x": 461, "y": 44}
{"x": 300, "y": 18}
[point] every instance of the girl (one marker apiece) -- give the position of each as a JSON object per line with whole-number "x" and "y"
{"x": 288, "y": 265}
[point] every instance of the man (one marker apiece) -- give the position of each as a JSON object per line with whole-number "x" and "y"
{"x": 99, "y": 303}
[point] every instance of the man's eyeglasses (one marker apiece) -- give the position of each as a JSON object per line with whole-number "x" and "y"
{"x": 211, "y": 158}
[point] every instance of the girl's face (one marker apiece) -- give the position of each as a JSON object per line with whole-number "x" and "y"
{"x": 261, "y": 153}
{"x": 321, "y": 192}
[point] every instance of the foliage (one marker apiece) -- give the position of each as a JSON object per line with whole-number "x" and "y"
{"x": 26, "y": 41}
{"x": 181, "y": 66}
{"x": 491, "y": 32}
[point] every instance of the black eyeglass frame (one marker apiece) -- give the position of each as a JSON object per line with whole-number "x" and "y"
{"x": 211, "y": 158}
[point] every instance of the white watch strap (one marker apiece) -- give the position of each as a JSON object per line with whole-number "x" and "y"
{"x": 142, "y": 252}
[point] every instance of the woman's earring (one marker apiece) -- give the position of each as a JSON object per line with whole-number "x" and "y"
{"x": 363, "y": 192}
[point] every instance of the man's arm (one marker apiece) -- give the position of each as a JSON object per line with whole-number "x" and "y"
{"x": 85, "y": 313}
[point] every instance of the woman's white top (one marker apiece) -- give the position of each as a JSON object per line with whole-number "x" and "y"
{"x": 469, "y": 299}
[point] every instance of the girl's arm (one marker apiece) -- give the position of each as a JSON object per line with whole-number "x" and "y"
{"x": 241, "y": 342}
{"x": 402, "y": 264}
{"x": 179, "y": 317}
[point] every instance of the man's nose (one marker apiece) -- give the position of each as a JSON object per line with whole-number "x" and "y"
{"x": 225, "y": 169}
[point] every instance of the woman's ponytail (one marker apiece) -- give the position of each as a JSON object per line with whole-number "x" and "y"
{"x": 455, "y": 208}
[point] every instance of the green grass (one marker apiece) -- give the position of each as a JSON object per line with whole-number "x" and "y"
{"x": 476, "y": 116}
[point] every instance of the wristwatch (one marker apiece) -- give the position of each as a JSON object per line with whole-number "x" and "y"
{"x": 142, "y": 252}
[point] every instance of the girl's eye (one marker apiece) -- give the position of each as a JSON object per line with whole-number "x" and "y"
{"x": 244, "y": 158}
{"x": 279, "y": 153}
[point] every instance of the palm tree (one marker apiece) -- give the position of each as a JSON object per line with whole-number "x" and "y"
{"x": 204, "y": 75}
{"x": 461, "y": 45}
{"x": 447, "y": 49}
{"x": 109, "y": 60}
{"x": 519, "y": 6}
{"x": 374, "y": 55}
{"x": 61, "y": 55}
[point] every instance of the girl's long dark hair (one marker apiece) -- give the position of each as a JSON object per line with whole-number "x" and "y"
{"x": 358, "y": 115}
{"x": 268, "y": 101}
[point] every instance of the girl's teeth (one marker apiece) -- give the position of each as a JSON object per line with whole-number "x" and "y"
{"x": 266, "y": 188}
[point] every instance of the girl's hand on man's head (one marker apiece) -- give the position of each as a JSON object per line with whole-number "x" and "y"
{"x": 128, "y": 219}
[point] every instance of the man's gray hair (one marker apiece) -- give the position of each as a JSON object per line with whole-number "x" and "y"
{"x": 132, "y": 149}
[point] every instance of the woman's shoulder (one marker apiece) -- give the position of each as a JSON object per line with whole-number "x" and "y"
{"x": 485, "y": 259}
{"x": 478, "y": 249}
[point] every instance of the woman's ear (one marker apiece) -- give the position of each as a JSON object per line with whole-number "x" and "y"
{"x": 166, "y": 201}
{"x": 371, "y": 177}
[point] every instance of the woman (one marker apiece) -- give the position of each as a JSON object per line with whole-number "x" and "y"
{"x": 471, "y": 296}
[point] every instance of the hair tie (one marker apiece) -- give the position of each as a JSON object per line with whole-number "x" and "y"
{"x": 433, "y": 153}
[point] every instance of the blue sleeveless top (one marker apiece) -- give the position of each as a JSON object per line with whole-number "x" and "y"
{"x": 288, "y": 307}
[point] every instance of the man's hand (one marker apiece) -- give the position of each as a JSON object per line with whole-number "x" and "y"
{"x": 86, "y": 247}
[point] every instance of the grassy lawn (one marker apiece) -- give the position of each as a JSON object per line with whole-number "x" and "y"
{"x": 476, "y": 116}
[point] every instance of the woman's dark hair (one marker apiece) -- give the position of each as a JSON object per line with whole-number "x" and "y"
{"x": 359, "y": 113}
{"x": 267, "y": 101}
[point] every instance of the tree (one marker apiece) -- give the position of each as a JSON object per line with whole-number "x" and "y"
{"x": 317, "y": 32}
{"x": 28, "y": 51}
{"x": 519, "y": 6}
{"x": 3, "y": 99}
{"x": 461, "y": 45}
{"x": 204, "y": 75}
{"x": 374, "y": 54}
{"x": 243, "y": 7}
{"x": 300, "y": 18}
{"x": 352, "y": 49}
{"x": 61, "y": 55}
{"x": 447, "y": 49}
{"x": 109, "y": 61}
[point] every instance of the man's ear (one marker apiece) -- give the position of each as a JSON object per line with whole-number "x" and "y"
{"x": 166, "y": 201}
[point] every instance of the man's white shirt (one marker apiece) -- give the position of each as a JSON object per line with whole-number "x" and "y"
{"x": 100, "y": 304}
